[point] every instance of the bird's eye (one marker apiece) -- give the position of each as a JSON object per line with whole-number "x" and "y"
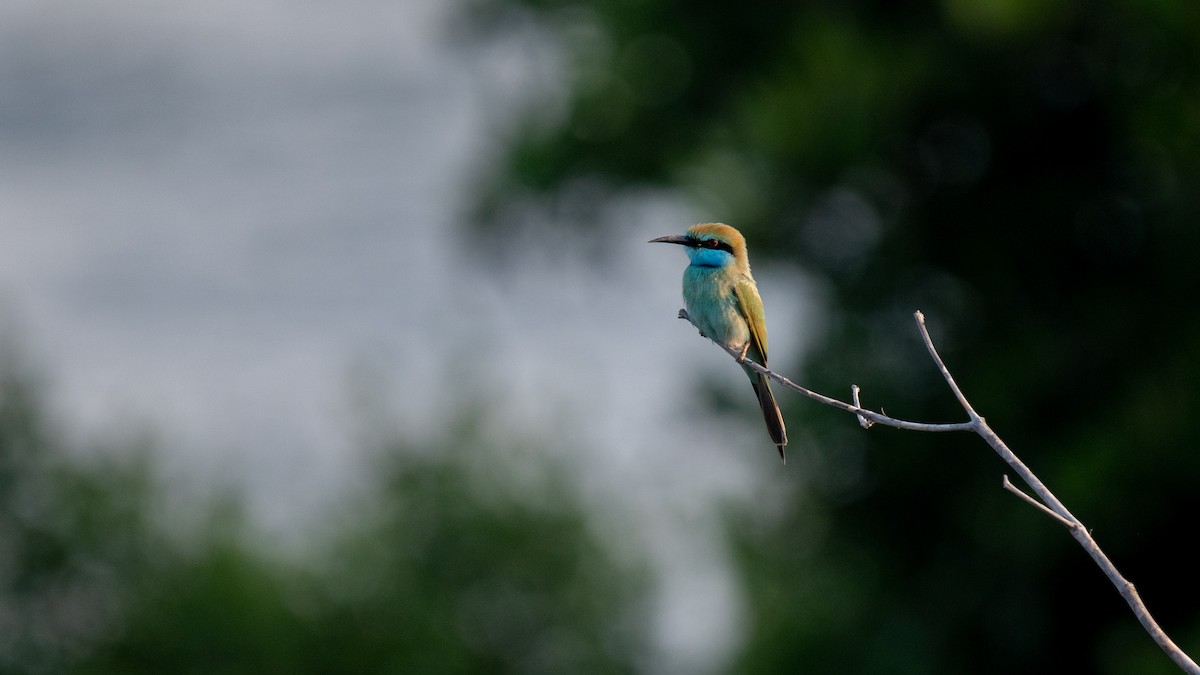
{"x": 711, "y": 243}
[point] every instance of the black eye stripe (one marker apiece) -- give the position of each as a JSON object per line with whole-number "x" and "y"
{"x": 715, "y": 244}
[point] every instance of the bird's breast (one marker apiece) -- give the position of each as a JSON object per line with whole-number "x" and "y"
{"x": 712, "y": 305}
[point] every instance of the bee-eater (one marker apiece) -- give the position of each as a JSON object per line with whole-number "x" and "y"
{"x": 723, "y": 303}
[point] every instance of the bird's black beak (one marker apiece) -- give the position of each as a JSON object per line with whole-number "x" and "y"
{"x": 673, "y": 239}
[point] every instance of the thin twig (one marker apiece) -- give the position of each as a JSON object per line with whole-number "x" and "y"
{"x": 962, "y": 400}
{"x": 1049, "y": 503}
{"x": 1007, "y": 485}
{"x": 862, "y": 421}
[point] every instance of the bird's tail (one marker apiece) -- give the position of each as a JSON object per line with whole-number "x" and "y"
{"x": 770, "y": 410}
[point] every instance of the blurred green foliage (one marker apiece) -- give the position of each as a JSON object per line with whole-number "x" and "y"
{"x": 448, "y": 563}
{"x": 1022, "y": 171}
{"x": 71, "y": 536}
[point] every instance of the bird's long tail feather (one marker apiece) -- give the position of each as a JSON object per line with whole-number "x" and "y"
{"x": 771, "y": 414}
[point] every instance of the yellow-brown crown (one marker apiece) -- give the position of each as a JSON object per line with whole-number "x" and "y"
{"x": 725, "y": 233}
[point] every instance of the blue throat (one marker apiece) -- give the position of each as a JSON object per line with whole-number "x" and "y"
{"x": 709, "y": 257}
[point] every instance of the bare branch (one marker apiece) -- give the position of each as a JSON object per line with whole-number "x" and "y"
{"x": 1076, "y": 527}
{"x": 871, "y": 415}
{"x": 1049, "y": 504}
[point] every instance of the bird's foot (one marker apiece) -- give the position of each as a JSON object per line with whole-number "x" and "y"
{"x": 741, "y": 358}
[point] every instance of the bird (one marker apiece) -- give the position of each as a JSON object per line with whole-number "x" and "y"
{"x": 724, "y": 305}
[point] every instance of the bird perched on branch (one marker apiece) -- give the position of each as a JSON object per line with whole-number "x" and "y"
{"x": 723, "y": 303}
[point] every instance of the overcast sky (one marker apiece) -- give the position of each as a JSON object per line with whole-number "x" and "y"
{"x": 220, "y": 220}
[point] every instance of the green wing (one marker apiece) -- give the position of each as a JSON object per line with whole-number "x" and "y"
{"x": 752, "y": 308}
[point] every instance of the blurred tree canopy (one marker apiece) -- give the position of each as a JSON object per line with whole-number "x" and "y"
{"x": 448, "y": 563}
{"x": 1024, "y": 172}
